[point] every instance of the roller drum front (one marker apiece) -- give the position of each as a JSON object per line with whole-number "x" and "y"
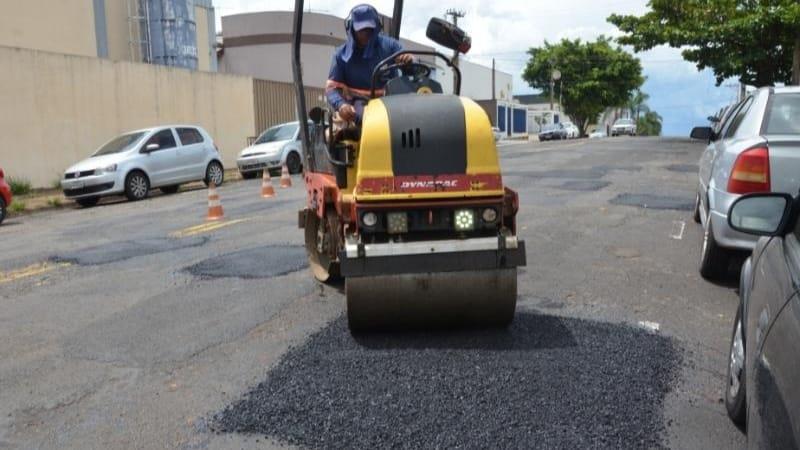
{"x": 485, "y": 298}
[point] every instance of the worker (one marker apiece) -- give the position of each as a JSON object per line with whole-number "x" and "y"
{"x": 350, "y": 77}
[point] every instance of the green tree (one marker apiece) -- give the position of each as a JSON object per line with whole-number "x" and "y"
{"x": 595, "y": 75}
{"x": 756, "y": 41}
{"x": 649, "y": 124}
{"x": 638, "y": 103}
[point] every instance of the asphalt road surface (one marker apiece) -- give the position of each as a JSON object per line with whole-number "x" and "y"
{"x": 138, "y": 325}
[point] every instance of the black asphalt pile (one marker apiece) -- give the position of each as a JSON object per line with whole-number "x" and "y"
{"x": 545, "y": 382}
{"x": 650, "y": 201}
{"x": 260, "y": 262}
{"x": 685, "y": 168}
{"x": 584, "y": 185}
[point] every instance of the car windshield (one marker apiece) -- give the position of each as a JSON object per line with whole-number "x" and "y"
{"x": 279, "y": 133}
{"x": 119, "y": 144}
{"x": 784, "y": 115}
{"x": 624, "y": 122}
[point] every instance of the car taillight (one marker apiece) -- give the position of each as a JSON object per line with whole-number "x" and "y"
{"x": 750, "y": 172}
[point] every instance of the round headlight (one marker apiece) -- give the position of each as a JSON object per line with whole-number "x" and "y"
{"x": 369, "y": 219}
{"x": 489, "y": 215}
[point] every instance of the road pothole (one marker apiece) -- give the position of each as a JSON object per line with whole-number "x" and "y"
{"x": 584, "y": 185}
{"x": 553, "y": 381}
{"x": 684, "y": 168}
{"x": 258, "y": 262}
{"x": 120, "y": 251}
{"x": 650, "y": 201}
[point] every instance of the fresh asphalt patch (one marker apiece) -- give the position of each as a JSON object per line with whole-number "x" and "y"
{"x": 260, "y": 262}
{"x": 120, "y": 251}
{"x": 546, "y": 382}
{"x": 650, "y": 201}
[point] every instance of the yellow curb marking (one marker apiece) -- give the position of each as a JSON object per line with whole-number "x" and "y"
{"x": 30, "y": 271}
{"x": 205, "y": 228}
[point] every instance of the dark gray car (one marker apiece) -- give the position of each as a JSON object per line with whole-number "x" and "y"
{"x": 763, "y": 389}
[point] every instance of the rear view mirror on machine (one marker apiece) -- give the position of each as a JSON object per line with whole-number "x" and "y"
{"x": 448, "y": 35}
{"x": 760, "y": 214}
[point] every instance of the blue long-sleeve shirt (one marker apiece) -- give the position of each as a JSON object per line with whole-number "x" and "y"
{"x": 351, "y": 69}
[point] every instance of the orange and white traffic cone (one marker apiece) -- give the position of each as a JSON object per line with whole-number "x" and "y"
{"x": 286, "y": 180}
{"x": 267, "y": 190}
{"x": 214, "y": 205}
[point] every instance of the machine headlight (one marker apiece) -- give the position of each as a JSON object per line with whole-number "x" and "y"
{"x": 465, "y": 219}
{"x": 369, "y": 219}
{"x": 489, "y": 215}
{"x": 398, "y": 222}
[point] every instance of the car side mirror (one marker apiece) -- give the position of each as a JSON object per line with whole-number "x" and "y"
{"x": 151, "y": 147}
{"x": 702, "y": 133}
{"x": 761, "y": 214}
{"x": 448, "y": 35}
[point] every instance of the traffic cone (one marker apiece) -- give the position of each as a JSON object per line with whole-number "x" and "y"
{"x": 214, "y": 205}
{"x": 286, "y": 180}
{"x": 267, "y": 190}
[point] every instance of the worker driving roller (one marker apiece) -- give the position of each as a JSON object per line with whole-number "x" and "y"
{"x": 349, "y": 80}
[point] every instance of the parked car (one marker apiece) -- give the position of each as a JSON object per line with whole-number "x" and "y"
{"x": 763, "y": 389}
{"x": 5, "y": 196}
{"x": 756, "y": 150}
{"x": 551, "y": 132}
{"x": 572, "y": 130}
{"x": 623, "y": 126}
{"x": 275, "y": 147}
{"x": 136, "y": 162}
{"x": 497, "y": 134}
{"x": 597, "y": 135}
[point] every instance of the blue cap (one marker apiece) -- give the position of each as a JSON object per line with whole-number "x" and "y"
{"x": 364, "y": 16}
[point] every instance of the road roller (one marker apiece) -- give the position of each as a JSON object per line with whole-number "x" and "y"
{"x": 409, "y": 208}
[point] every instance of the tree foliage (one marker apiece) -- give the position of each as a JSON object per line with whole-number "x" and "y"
{"x": 638, "y": 103}
{"x": 594, "y": 75}
{"x": 754, "y": 41}
{"x": 649, "y": 124}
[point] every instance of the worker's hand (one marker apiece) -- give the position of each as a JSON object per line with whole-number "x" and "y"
{"x": 347, "y": 112}
{"x": 405, "y": 59}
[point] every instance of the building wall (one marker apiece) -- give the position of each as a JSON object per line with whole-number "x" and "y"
{"x": 203, "y": 54}
{"x": 63, "y": 26}
{"x": 259, "y": 45}
{"x": 118, "y": 32}
{"x": 57, "y": 109}
{"x": 476, "y": 81}
{"x": 274, "y": 102}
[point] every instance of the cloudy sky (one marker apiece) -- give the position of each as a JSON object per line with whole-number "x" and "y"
{"x": 504, "y": 30}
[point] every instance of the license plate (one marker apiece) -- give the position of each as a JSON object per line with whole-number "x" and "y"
{"x": 78, "y": 185}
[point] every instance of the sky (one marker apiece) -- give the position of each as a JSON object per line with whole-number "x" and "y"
{"x": 505, "y": 30}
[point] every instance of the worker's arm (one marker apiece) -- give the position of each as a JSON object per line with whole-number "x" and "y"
{"x": 333, "y": 88}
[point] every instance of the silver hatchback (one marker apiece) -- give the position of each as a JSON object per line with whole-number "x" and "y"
{"x": 135, "y": 162}
{"x": 755, "y": 149}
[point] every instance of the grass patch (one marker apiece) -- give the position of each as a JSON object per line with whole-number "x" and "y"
{"x": 54, "y": 202}
{"x": 17, "y": 206}
{"x": 56, "y": 183}
{"x": 20, "y": 186}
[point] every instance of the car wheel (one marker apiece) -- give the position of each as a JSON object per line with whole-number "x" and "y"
{"x": 293, "y": 163}
{"x": 214, "y": 173}
{"x": 713, "y": 258}
{"x": 137, "y": 186}
{"x": 696, "y": 216}
{"x": 170, "y": 189}
{"x": 735, "y": 389}
{"x": 2, "y": 210}
{"x": 249, "y": 175}
{"x": 87, "y": 202}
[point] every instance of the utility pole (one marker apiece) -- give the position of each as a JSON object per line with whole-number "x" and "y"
{"x": 494, "y": 80}
{"x": 455, "y": 14}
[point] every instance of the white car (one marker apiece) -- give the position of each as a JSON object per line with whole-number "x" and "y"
{"x": 623, "y": 126}
{"x": 597, "y": 135}
{"x": 275, "y": 147}
{"x": 138, "y": 161}
{"x": 572, "y": 130}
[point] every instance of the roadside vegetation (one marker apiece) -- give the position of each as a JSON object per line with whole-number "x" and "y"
{"x": 19, "y": 186}
{"x": 17, "y": 206}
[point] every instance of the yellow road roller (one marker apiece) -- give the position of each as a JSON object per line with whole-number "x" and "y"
{"x": 410, "y": 207}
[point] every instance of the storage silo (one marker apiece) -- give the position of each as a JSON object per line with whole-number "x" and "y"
{"x": 171, "y": 32}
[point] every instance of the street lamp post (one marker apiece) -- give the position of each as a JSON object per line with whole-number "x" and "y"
{"x": 555, "y": 75}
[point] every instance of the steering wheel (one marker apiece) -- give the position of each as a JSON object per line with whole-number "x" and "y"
{"x": 416, "y": 70}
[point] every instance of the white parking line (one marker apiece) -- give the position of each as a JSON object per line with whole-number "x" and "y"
{"x": 678, "y": 227}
